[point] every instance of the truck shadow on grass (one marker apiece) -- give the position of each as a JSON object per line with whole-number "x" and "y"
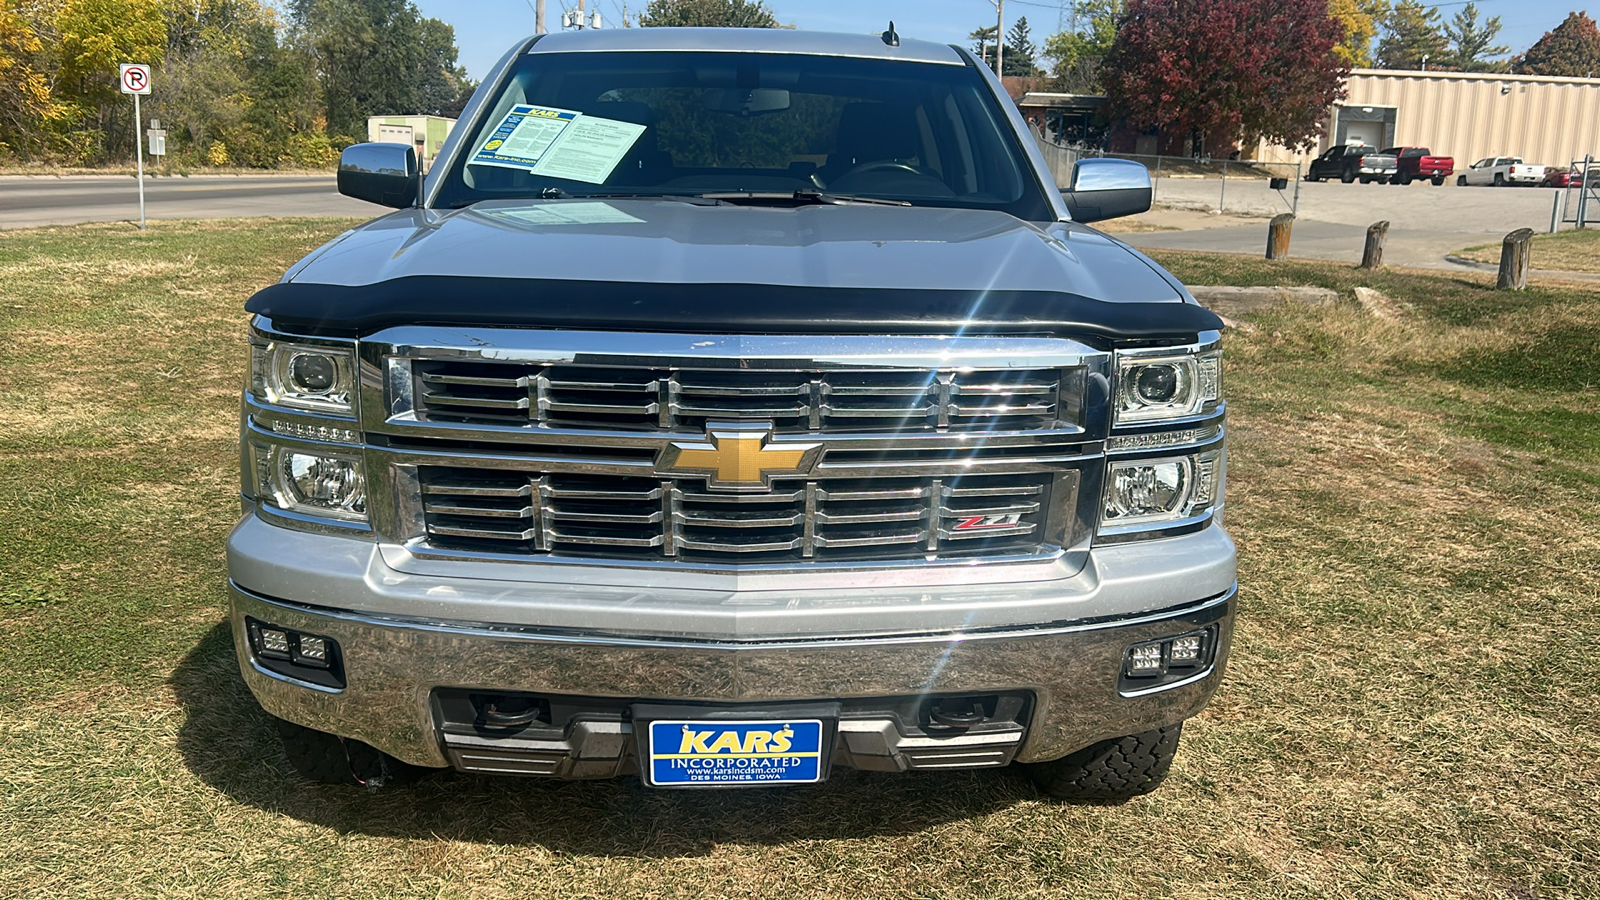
{"x": 231, "y": 744}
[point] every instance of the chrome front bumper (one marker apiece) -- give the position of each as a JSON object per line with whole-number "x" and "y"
{"x": 393, "y": 666}
{"x": 408, "y": 634}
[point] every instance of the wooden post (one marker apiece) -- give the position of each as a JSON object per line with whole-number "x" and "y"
{"x": 1514, "y": 258}
{"x": 1278, "y": 236}
{"x": 1372, "y": 256}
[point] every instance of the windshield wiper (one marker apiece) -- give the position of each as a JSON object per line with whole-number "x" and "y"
{"x": 803, "y": 196}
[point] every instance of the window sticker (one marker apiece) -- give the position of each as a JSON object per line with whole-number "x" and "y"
{"x": 559, "y": 143}
{"x": 586, "y": 212}
{"x": 589, "y": 149}
{"x": 524, "y": 136}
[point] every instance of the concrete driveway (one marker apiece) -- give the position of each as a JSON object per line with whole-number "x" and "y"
{"x": 27, "y": 200}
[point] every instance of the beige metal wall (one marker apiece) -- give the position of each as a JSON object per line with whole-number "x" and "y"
{"x": 1549, "y": 121}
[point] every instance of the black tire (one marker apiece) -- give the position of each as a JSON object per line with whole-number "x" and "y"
{"x": 330, "y": 759}
{"x": 1111, "y": 771}
{"x": 1461, "y": 181}
{"x": 1366, "y": 181}
{"x": 1438, "y": 181}
{"x": 1499, "y": 180}
{"x": 1401, "y": 180}
{"x": 1347, "y": 177}
{"x": 1383, "y": 181}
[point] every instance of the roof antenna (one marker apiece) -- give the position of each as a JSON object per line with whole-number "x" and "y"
{"x": 890, "y": 37}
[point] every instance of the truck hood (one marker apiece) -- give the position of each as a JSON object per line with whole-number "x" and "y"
{"x": 674, "y": 242}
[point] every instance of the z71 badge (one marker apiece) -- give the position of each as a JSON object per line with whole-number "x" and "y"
{"x": 980, "y": 523}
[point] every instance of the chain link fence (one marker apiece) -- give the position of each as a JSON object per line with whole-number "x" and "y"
{"x": 1579, "y": 204}
{"x": 1237, "y": 186}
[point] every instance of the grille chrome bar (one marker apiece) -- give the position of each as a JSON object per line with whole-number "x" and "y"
{"x": 819, "y": 519}
{"x": 645, "y": 398}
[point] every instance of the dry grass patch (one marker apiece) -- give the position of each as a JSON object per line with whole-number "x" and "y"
{"x": 1568, "y": 251}
{"x": 1409, "y": 712}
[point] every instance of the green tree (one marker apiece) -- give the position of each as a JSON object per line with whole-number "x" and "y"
{"x": 93, "y": 38}
{"x": 376, "y": 57}
{"x": 28, "y": 111}
{"x": 1076, "y": 54}
{"x": 1412, "y": 37}
{"x": 1021, "y": 54}
{"x": 1360, "y": 20}
{"x": 707, "y": 14}
{"x": 983, "y": 43}
{"x": 1472, "y": 44}
{"x": 1571, "y": 49}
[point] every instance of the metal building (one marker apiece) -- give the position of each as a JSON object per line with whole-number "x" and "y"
{"x": 426, "y": 133}
{"x": 1468, "y": 115}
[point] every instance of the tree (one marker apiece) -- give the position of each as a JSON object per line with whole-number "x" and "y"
{"x": 1472, "y": 44}
{"x": 27, "y": 108}
{"x": 1360, "y": 19}
{"x": 1226, "y": 68}
{"x": 1076, "y": 54}
{"x": 1020, "y": 51}
{"x": 708, "y": 14}
{"x": 983, "y": 43}
{"x": 1412, "y": 37}
{"x": 1572, "y": 50}
{"x": 376, "y": 57}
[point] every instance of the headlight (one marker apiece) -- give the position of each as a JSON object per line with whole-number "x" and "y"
{"x": 1153, "y": 388}
{"x": 313, "y": 377}
{"x": 314, "y": 483}
{"x": 1151, "y": 491}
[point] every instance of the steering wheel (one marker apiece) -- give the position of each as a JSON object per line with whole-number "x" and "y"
{"x": 885, "y": 165}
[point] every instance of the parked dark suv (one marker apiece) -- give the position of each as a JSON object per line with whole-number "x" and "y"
{"x": 1351, "y": 161}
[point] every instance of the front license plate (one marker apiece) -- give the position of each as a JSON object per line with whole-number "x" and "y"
{"x": 772, "y": 751}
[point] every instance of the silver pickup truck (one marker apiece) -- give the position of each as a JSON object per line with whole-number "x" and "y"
{"x": 726, "y": 406}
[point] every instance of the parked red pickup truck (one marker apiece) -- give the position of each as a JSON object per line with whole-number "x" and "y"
{"x": 1416, "y": 163}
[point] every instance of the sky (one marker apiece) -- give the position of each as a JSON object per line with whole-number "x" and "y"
{"x": 485, "y": 28}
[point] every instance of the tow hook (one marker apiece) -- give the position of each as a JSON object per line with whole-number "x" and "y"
{"x": 958, "y": 712}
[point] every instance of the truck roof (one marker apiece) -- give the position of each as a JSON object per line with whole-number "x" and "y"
{"x": 750, "y": 40}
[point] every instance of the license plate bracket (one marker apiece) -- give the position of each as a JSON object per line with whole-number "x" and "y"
{"x": 681, "y": 746}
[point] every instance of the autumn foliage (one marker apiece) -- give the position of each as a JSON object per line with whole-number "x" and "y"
{"x": 1227, "y": 68}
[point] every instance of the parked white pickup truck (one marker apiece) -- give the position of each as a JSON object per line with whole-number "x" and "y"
{"x": 1501, "y": 170}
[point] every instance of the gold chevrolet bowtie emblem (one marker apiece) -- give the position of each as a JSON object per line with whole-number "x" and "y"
{"x": 737, "y": 458}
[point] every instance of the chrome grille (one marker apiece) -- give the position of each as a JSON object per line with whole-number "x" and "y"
{"x": 616, "y": 516}
{"x": 793, "y": 400}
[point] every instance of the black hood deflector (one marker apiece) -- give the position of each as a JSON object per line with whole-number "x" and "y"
{"x": 715, "y": 308}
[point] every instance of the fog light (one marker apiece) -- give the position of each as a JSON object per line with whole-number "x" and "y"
{"x": 313, "y": 651}
{"x": 1186, "y": 650}
{"x": 1144, "y": 659}
{"x": 273, "y": 642}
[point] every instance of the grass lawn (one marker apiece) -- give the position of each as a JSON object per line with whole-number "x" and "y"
{"x": 1411, "y": 709}
{"x": 1568, "y": 251}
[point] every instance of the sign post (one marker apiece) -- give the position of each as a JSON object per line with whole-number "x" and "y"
{"x": 135, "y": 80}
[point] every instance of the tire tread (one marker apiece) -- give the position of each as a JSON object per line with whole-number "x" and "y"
{"x": 1113, "y": 770}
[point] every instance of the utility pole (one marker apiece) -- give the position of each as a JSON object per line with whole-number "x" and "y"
{"x": 999, "y": 36}
{"x": 538, "y": 15}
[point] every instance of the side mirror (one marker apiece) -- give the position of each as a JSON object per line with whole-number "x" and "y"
{"x": 385, "y": 174}
{"x": 1107, "y": 189}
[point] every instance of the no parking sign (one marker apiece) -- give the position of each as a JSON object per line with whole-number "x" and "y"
{"x": 135, "y": 78}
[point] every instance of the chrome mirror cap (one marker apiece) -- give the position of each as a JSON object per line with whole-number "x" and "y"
{"x": 1107, "y": 189}
{"x": 385, "y": 174}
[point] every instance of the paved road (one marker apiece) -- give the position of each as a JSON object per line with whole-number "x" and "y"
{"x": 27, "y": 201}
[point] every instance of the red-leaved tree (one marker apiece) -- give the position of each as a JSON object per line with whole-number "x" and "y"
{"x": 1227, "y": 68}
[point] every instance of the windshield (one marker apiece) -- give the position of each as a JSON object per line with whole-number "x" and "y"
{"x": 598, "y": 124}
